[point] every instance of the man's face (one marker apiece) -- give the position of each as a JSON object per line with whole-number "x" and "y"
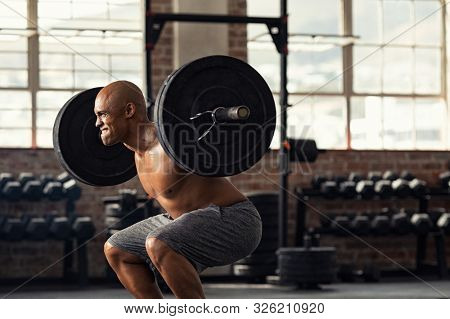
{"x": 109, "y": 119}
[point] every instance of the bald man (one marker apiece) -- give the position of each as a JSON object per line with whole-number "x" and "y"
{"x": 208, "y": 222}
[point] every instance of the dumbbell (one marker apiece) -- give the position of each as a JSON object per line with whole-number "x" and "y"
{"x": 63, "y": 177}
{"x": 83, "y": 227}
{"x": 36, "y": 228}
{"x": 317, "y": 180}
{"x": 54, "y": 191}
{"x": 401, "y": 188}
{"x": 71, "y": 189}
{"x": 355, "y": 177}
{"x": 340, "y": 225}
{"x": 444, "y": 178}
{"x": 418, "y": 188}
{"x": 383, "y": 188}
{"x": 59, "y": 227}
{"x": 45, "y": 178}
{"x": 365, "y": 189}
{"x": 360, "y": 225}
{"x": 32, "y": 190}
{"x": 380, "y": 225}
{"x": 12, "y": 229}
{"x": 421, "y": 223}
{"x": 400, "y": 223}
{"x": 390, "y": 175}
{"x": 347, "y": 189}
{"x": 25, "y": 177}
{"x": 407, "y": 176}
{"x": 374, "y": 176}
{"x": 443, "y": 223}
{"x": 12, "y": 191}
{"x": 329, "y": 189}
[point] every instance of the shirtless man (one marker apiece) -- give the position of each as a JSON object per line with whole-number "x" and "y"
{"x": 208, "y": 221}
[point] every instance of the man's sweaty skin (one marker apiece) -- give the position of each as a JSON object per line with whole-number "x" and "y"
{"x": 122, "y": 118}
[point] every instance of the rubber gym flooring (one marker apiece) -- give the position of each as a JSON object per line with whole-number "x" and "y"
{"x": 391, "y": 290}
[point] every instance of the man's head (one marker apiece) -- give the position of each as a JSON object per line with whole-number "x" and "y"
{"x": 119, "y": 108}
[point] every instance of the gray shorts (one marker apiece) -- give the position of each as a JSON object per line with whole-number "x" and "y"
{"x": 207, "y": 237}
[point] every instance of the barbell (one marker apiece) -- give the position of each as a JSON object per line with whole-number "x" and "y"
{"x": 214, "y": 116}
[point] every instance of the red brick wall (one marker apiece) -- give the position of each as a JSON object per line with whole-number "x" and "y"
{"x": 237, "y": 33}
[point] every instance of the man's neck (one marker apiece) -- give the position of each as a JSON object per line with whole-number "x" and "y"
{"x": 143, "y": 138}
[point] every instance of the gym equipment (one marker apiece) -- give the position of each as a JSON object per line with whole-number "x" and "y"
{"x": 59, "y": 227}
{"x": 444, "y": 178}
{"x": 365, "y": 189}
{"x": 54, "y": 191}
{"x": 407, "y": 176}
{"x": 329, "y": 189}
{"x": 201, "y": 111}
{"x": 12, "y": 191}
{"x": 25, "y": 177}
{"x": 36, "y": 228}
{"x": 127, "y": 199}
{"x": 418, "y": 187}
{"x": 317, "y": 180}
{"x": 340, "y": 225}
{"x": 347, "y": 189}
{"x": 390, "y": 175}
{"x": 45, "y": 178}
{"x": 63, "y": 177}
{"x": 360, "y": 225}
{"x": 307, "y": 266}
{"x": 421, "y": 223}
{"x": 71, "y": 190}
{"x": 401, "y": 188}
{"x": 443, "y": 223}
{"x": 83, "y": 227}
{"x": 400, "y": 224}
{"x": 355, "y": 177}
{"x": 380, "y": 225}
{"x": 302, "y": 150}
{"x": 32, "y": 190}
{"x": 374, "y": 176}
{"x": 13, "y": 229}
{"x": 383, "y": 188}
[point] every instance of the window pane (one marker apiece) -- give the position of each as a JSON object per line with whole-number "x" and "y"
{"x": 266, "y": 63}
{"x": 366, "y": 19}
{"x": 55, "y": 61}
{"x": 318, "y": 16}
{"x": 398, "y": 22}
{"x": 398, "y": 70}
{"x": 12, "y": 13}
{"x": 428, "y": 71}
{"x": 365, "y": 123}
{"x": 94, "y": 62}
{"x": 52, "y": 100}
{"x": 56, "y": 79}
{"x": 367, "y": 69}
{"x": 13, "y": 78}
{"x": 44, "y": 138}
{"x": 319, "y": 71}
{"x": 15, "y": 137}
{"x": 46, "y": 119}
{"x": 398, "y": 123}
{"x": 319, "y": 117}
{"x": 126, "y": 63}
{"x": 15, "y": 118}
{"x": 133, "y": 77}
{"x": 428, "y": 22}
{"x": 14, "y": 60}
{"x": 13, "y": 100}
{"x": 90, "y": 79}
{"x": 431, "y": 123}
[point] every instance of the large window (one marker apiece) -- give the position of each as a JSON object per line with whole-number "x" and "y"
{"x": 75, "y": 45}
{"x": 365, "y": 74}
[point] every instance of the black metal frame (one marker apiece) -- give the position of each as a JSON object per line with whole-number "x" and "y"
{"x": 278, "y": 29}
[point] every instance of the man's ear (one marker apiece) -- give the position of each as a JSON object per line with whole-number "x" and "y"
{"x": 130, "y": 109}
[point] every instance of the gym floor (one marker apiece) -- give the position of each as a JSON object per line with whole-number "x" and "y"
{"x": 390, "y": 290}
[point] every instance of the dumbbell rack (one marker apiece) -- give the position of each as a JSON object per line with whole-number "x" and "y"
{"x": 303, "y": 195}
{"x": 69, "y": 274}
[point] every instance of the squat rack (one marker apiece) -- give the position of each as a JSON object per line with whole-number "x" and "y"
{"x": 278, "y": 30}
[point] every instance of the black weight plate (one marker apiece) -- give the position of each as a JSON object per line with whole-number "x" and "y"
{"x": 253, "y": 271}
{"x": 301, "y": 251}
{"x": 258, "y": 259}
{"x": 80, "y": 150}
{"x": 203, "y": 85}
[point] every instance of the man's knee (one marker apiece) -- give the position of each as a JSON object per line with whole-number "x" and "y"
{"x": 116, "y": 256}
{"x": 157, "y": 250}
